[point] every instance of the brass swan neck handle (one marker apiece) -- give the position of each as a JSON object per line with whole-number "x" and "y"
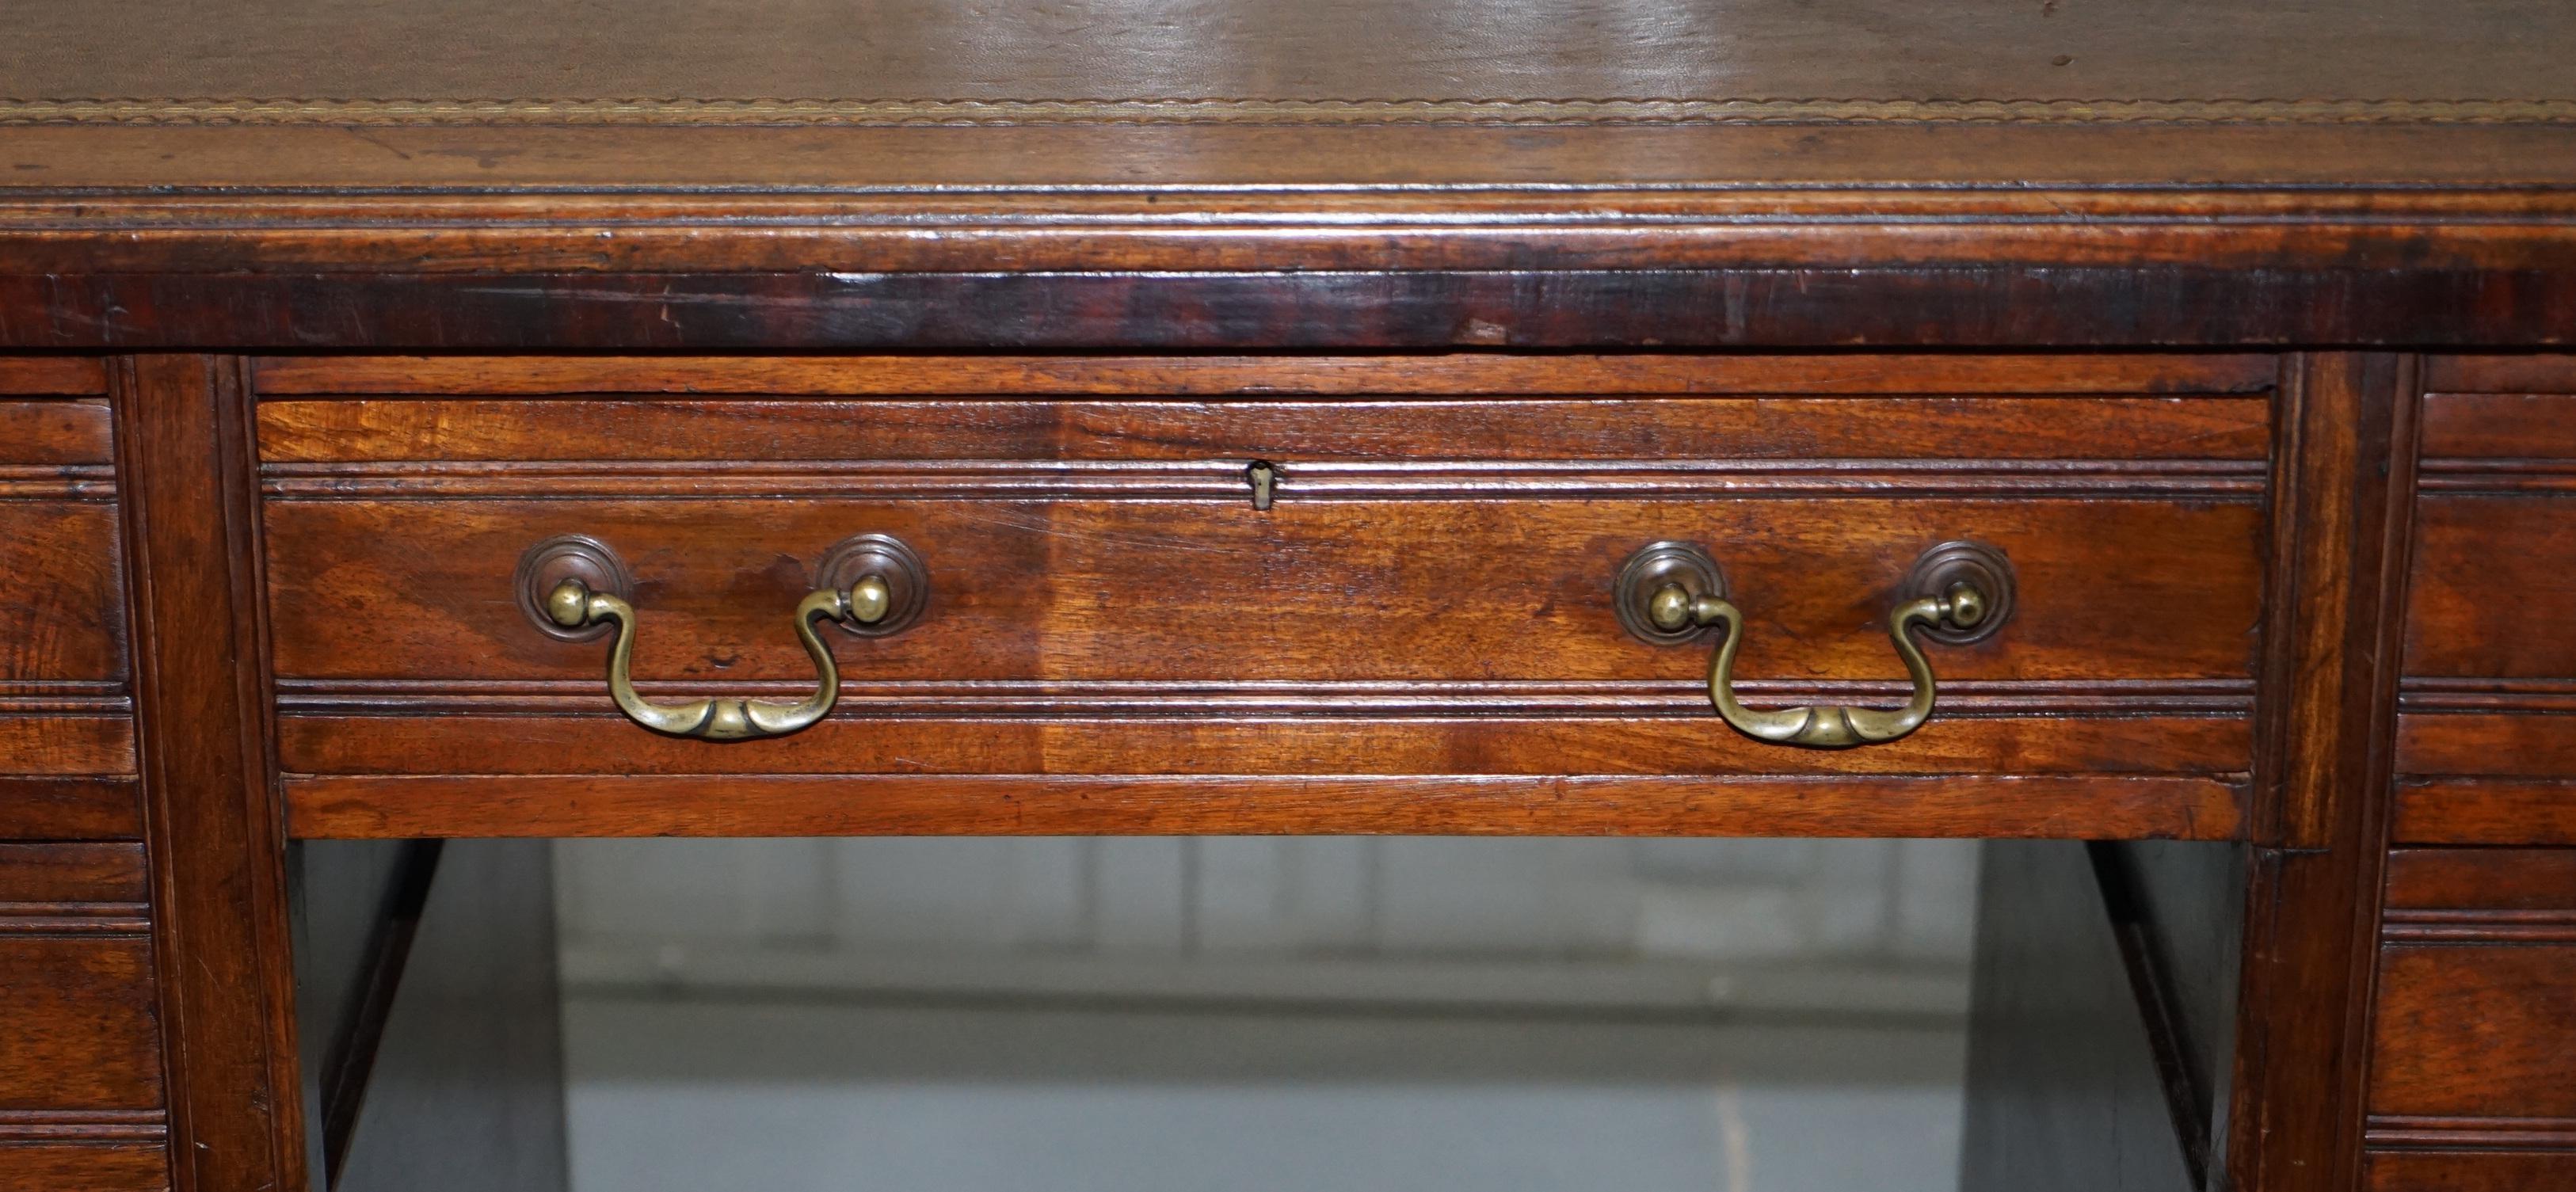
{"x": 1830, "y": 726}
{"x": 1669, "y": 593}
{"x": 574, "y": 605}
{"x": 573, "y": 587}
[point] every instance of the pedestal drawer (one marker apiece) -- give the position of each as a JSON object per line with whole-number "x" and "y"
{"x": 1195, "y": 594}
{"x": 2475, "y": 1023}
{"x": 2487, "y": 742}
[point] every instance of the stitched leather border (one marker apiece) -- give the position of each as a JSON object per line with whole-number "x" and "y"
{"x": 891, "y": 112}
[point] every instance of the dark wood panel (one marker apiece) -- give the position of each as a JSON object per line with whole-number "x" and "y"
{"x": 2501, "y": 426}
{"x": 1664, "y": 430}
{"x": 55, "y": 434}
{"x": 1646, "y": 805}
{"x": 76, "y": 747}
{"x": 2064, "y": 1084}
{"x": 2469, "y": 1171}
{"x": 61, "y": 610}
{"x": 1210, "y": 591}
{"x": 2534, "y": 372}
{"x": 2529, "y": 745}
{"x": 64, "y": 872}
{"x": 1454, "y": 373}
{"x": 2502, "y": 880}
{"x": 2485, "y": 811}
{"x": 1943, "y": 306}
{"x": 77, "y": 1026}
{"x": 207, "y": 764}
{"x": 605, "y": 743}
{"x": 2343, "y": 507}
{"x": 468, "y": 1083}
{"x": 2487, "y": 569}
{"x": 2474, "y": 1031}
{"x": 71, "y": 808}
{"x": 77, "y": 376}
{"x": 85, "y": 1166}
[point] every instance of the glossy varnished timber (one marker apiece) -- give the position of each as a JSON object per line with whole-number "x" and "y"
{"x": 1429, "y": 595}
{"x": 2488, "y": 743}
{"x": 66, "y": 742}
{"x": 106, "y": 880}
{"x": 1979, "y": 306}
{"x": 2467, "y": 1170}
{"x": 2344, "y": 499}
{"x": 85, "y": 1166}
{"x": 393, "y": 806}
{"x": 215, "y": 831}
{"x": 80, "y": 1035}
{"x": 2475, "y": 1022}
{"x": 2469, "y": 1030}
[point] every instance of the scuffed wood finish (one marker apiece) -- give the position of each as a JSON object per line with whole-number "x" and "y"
{"x": 2487, "y": 747}
{"x": 66, "y": 739}
{"x": 1468, "y": 374}
{"x": 2475, "y": 1032}
{"x": 2035, "y": 306}
{"x": 2343, "y": 500}
{"x": 2429, "y": 886}
{"x": 2477, "y": 1001}
{"x": 2468, "y": 1171}
{"x": 1392, "y": 586}
{"x": 58, "y": 376}
{"x": 1444, "y": 804}
{"x": 103, "y": 877}
{"x": 79, "y": 1035}
{"x": 1429, "y": 595}
{"x": 81, "y": 1091}
{"x": 216, "y": 835}
{"x": 85, "y": 1166}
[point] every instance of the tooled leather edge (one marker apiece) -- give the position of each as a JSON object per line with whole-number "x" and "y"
{"x": 1649, "y": 111}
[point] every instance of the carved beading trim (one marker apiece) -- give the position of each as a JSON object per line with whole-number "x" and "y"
{"x": 1183, "y": 110}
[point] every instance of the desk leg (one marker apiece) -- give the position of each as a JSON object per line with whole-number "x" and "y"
{"x": 213, "y": 821}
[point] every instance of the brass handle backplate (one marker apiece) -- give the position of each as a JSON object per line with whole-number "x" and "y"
{"x": 885, "y": 597}
{"x": 1960, "y": 592}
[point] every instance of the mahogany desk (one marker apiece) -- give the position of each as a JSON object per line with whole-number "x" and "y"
{"x": 1237, "y": 417}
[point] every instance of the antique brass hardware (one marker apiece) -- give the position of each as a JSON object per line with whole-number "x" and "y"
{"x": 883, "y": 599}
{"x": 1669, "y": 592}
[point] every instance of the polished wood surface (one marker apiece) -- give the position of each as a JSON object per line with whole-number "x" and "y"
{"x": 2233, "y": 326}
{"x": 2486, "y": 746}
{"x": 1428, "y": 595}
{"x": 214, "y": 830}
{"x": 82, "y": 1102}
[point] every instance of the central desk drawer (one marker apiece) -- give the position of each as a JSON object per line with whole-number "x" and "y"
{"x": 1155, "y": 593}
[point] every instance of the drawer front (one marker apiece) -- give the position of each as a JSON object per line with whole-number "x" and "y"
{"x": 2487, "y": 738}
{"x": 2467, "y": 1171}
{"x": 2475, "y": 1024}
{"x": 1427, "y": 590}
{"x": 65, "y": 732}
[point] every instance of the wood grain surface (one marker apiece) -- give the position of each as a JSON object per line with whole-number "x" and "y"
{"x": 80, "y": 1032}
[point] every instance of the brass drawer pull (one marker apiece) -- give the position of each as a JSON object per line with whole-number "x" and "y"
{"x": 881, "y": 600}
{"x": 1672, "y": 591}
